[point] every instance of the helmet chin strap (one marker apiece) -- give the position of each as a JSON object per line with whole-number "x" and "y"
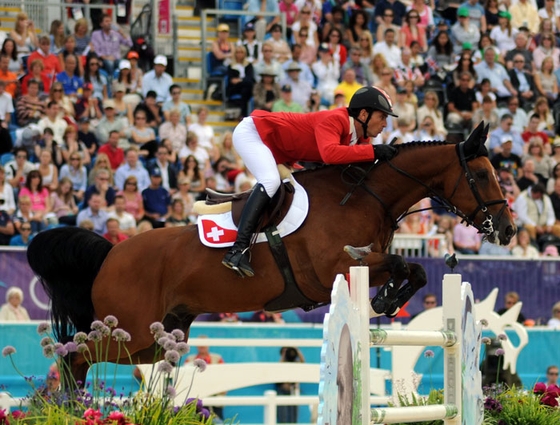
{"x": 364, "y": 123}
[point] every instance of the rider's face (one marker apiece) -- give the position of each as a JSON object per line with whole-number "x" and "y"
{"x": 376, "y": 124}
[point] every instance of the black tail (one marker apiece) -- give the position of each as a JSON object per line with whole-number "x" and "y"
{"x": 66, "y": 261}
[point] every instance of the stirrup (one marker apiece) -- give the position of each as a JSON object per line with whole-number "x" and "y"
{"x": 239, "y": 260}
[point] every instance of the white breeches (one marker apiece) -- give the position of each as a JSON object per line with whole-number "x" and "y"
{"x": 256, "y": 155}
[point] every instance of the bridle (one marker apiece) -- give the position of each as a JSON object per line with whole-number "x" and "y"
{"x": 488, "y": 224}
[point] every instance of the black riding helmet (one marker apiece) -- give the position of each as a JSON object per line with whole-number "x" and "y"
{"x": 371, "y": 99}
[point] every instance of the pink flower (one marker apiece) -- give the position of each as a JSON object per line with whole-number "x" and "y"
{"x": 18, "y": 414}
{"x": 3, "y": 418}
{"x": 91, "y": 414}
{"x": 550, "y": 400}
{"x": 117, "y": 416}
{"x": 540, "y": 388}
{"x": 553, "y": 390}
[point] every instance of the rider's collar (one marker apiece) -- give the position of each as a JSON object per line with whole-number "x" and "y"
{"x": 353, "y": 134}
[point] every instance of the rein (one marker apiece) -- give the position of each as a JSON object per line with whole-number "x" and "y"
{"x": 487, "y": 227}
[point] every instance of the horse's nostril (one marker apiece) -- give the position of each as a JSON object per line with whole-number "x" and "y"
{"x": 510, "y": 231}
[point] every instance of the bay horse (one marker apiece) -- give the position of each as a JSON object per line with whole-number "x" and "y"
{"x": 167, "y": 274}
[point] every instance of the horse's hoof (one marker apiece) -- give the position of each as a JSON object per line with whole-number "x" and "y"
{"x": 382, "y": 302}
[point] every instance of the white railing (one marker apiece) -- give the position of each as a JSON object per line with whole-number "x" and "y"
{"x": 418, "y": 245}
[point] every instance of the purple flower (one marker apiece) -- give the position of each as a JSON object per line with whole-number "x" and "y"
{"x": 484, "y": 322}
{"x": 428, "y": 354}
{"x": 165, "y": 367}
{"x": 46, "y": 341}
{"x": 48, "y": 351}
{"x": 97, "y": 325}
{"x": 183, "y": 348}
{"x": 178, "y": 334}
{"x": 161, "y": 341}
{"x": 493, "y": 405}
{"x": 121, "y": 335}
{"x": 160, "y": 334}
{"x": 111, "y": 321}
{"x": 156, "y": 327}
{"x": 486, "y": 340}
{"x": 170, "y": 345}
{"x": 80, "y": 337}
{"x": 200, "y": 364}
{"x": 172, "y": 356}
{"x": 95, "y": 336}
{"x": 502, "y": 337}
{"x": 8, "y": 350}
{"x": 43, "y": 328}
{"x": 60, "y": 350}
{"x": 71, "y": 347}
{"x": 204, "y": 412}
{"x": 82, "y": 348}
{"x": 170, "y": 391}
{"x": 500, "y": 352}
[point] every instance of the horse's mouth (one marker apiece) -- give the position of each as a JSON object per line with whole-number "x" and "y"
{"x": 502, "y": 238}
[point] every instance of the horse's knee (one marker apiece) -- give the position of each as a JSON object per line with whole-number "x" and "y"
{"x": 417, "y": 276}
{"x": 399, "y": 267}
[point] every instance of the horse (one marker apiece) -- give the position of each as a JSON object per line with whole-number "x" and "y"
{"x": 167, "y": 275}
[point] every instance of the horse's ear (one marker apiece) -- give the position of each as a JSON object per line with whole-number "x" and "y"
{"x": 474, "y": 145}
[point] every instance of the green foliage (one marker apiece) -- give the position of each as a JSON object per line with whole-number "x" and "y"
{"x": 435, "y": 397}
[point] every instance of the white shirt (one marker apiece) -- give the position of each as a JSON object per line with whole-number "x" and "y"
{"x": 7, "y": 195}
{"x": 126, "y": 220}
{"x": 58, "y": 127}
{"x": 205, "y": 134}
{"x": 520, "y": 207}
{"x": 159, "y": 85}
{"x": 392, "y": 54}
{"x": 139, "y": 172}
{"x": 6, "y": 105}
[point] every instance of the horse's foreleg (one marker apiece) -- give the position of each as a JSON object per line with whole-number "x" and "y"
{"x": 398, "y": 271}
{"x": 416, "y": 279}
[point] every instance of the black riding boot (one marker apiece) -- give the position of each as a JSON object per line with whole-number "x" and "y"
{"x": 238, "y": 255}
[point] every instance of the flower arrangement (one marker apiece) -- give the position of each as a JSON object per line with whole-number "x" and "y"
{"x": 96, "y": 402}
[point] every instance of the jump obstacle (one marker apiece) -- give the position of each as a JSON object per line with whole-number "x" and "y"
{"x": 344, "y": 389}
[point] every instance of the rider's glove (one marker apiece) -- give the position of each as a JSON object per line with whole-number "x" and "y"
{"x": 384, "y": 152}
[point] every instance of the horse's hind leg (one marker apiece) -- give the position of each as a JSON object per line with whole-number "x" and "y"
{"x": 416, "y": 279}
{"x": 398, "y": 271}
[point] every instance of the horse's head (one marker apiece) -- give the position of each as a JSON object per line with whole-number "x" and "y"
{"x": 486, "y": 208}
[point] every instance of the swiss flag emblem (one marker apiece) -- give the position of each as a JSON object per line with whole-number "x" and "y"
{"x": 216, "y": 234}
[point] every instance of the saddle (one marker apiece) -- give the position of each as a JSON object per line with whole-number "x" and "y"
{"x": 218, "y": 203}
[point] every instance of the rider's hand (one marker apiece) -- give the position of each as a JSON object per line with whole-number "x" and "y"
{"x": 384, "y": 152}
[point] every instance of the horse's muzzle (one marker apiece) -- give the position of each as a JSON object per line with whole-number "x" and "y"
{"x": 503, "y": 235}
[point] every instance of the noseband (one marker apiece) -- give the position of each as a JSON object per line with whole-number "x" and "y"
{"x": 488, "y": 224}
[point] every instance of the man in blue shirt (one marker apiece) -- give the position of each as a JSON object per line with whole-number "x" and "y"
{"x": 157, "y": 201}
{"x": 71, "y": 82}
{"x": 95, "y": 214}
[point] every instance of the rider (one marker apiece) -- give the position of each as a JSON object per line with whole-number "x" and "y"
{"x": 338, "y": 136}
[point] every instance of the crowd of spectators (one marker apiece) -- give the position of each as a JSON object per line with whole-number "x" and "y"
{"x": 90, "y": 138}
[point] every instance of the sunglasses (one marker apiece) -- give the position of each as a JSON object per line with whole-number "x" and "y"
{"x": 388, "y": 15}
{"x": 25, "y": 229}
{"x": 429, "y": 302}
{"x": 553, "y": 373}
{"x": 21, "y": 156}
{"x": 74, "y": 159}
{"x": 131, "y": 183}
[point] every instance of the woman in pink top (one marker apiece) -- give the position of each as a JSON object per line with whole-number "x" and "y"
{"x": 133, "y": 199}
{"x": 39, "y": 195}
{"x": 412, "y": 31}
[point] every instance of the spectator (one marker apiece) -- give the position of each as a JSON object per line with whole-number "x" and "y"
{"x": 403, "y": 132}
{"x": 52, "y": 121}
{"x": 123, "y": 110}
{"x": 543, "y": 162}
{"x": 167, "y": 172}
{"x": 536, "y": 213}
{"x": 102, "y": 188}
{"x": 107, "y": 44}
{"x": 462, "y": 103}
{"x": 39, "y": 195}
{"x": 88, "y": 106}
{"x": 523, "y": 82}
{"x": 127, "y": 222}
{"x": 70, "y": 49}
{"x": 191, "y": 171}
{"x": 95, "y": 214}
{"x": 280, "y": 48}
{"x": 94, "y": 76}
{"x": 503, "y": 33}
{"x": 327, "y": 71}
{"x": 48, "y": 170}
{"x": 24, "y": 35}
{"x": 431, "y": 109}
{"x": 547, "y": 48}
{"x": 241, "y": 79}
{"x": 263, "y": 316}
{"x": 82, "y": 37}
{"x": 25, "y": 214}
{"x": 425, "y": 11}
{"x": 7, "y": 78}
{"x": 521, "y": 49}
{"x": 77, "y": 173}
{"x": 125, "y": 81}
{"x": 142, "y": 136}
{"x": 267, "y": 61}
{"x": 553, "y": 323}
{"x": 464, "y": 31}
{"x": 288, "y": 414}
{"x": 301, "y": 89}
{"x": 203, "y": 130}
{"x": 18, "y": 169}
{"x": 114, "y": 234}
{"x": 7, "y": 202}
{"x": 133, "y": 199}
{"x": 429, "y": 301}
{"x": 173, "y": 130}
{"x": 496, "y": 73}
{"x": 466, "y": 64}
{"x": 506, "y": 129}
{"x": 552, "y": 371}
{"x": 73, "y": 145}
{"x": 63, "y": 203}
{"x": 305, "y": 20}
{"x": 487, "y": 113}
{"x": 132, "y": 167}
{"x": 87, "y": 137}
{"x": 6, "y": 228}
{"x": 303, "y": 55}
{"x": 357, "y": 26}
{"x": 6, "y": 110}
{"x": 427, "y": 131}
{"x": 396, "y": 6}
{"x": 523, "y": 13}
{"x": 506, "y": 159}
{"x": 66, "y": 109}
{"x": 545, "y": 81}
{"x": 178, "y": 216}
{"x": 9, "y": 48}
{"x": 176, "y": 103}
{"x": 136, "y": 74}
{"x": 158, "y": 80}
{"x": 30, "y": 108}
{"x": 185, "y": 196}
{"x": 388, "y": 48}
{"x": 50, "y": 61}
{"x": 476, "y": 14}
{"x": 348, "y": 85}
{"x": 555, "y": 175}
{"x": 413, "y": 31}
{"x": 110, "y": 123}
{"x": 520, "y": 118}
{"x": 528, "y": 177}
{"x": 251, "y": 44}
{"x": 56, "y": 35}
{"x": 13, "y": 311}
{"x": 440, "y": 56}
{"x": 466, "y": 240}
{"x": 36, "y": 72}
{"x": 267, "y": 91}
{"x": 23, "y": 238}
{"x": 542, "y": 109}
{"x": 285, "y": 103}
{"x": 362, "y": 72}
{"x": 406, "y": 71}
{"x": 511, "y": 298}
